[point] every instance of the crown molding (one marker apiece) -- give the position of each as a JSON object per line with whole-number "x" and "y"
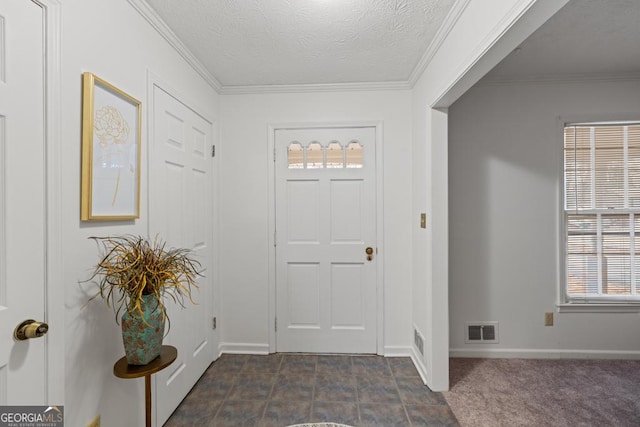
{"x": 316, "y": 87}
{"x": 142, "y": 7}
{"x": 449, "y": 22}
{"x": 560, "y": 78}
{"x": 161, "y": 27}
{"x": 150, "y": 15}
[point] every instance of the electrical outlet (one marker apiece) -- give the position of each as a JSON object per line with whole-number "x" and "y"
{"x": 94, "y": 422}
{"x": 548, "y": 319}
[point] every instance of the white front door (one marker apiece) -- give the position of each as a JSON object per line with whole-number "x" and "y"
{"x": 181, "y": 212}
{"x": 325, "y": 223}
{"x": 22, "y": 202}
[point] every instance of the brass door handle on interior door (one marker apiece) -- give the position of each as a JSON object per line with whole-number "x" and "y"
{"x": 30, "y": 329}
{"x": 369, "y": 252}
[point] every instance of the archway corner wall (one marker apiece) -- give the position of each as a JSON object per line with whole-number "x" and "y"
{"x": 476, "y": 38}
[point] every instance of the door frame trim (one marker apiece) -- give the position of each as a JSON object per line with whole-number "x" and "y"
{"x": 54, "y": 300}
{"x": 271, "y": 203}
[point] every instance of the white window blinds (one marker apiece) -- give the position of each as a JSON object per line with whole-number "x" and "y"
{"x": 602, "y": 211}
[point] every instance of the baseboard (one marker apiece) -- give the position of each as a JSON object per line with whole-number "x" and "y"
{"x": 397, "y": 351}
{"x": 543, "y": 354}
{"x": 416, "y": 358}
{"x": 242, "y": 348}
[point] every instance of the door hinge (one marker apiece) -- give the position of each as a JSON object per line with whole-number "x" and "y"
{"x": 215, "y": 323}
{"x": 275, "y": 324}
{"x": 274, "y": 155}
{"x": 213, "y": 151}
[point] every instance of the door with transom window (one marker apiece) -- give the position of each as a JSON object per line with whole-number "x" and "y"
{"x": 326, "y": 283}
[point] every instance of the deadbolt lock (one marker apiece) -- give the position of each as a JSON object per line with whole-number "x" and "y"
{"x": 30, "y": 329}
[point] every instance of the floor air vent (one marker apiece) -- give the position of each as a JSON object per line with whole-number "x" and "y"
{"x": 481, "y": 332}
{"x": 418, "y": 341}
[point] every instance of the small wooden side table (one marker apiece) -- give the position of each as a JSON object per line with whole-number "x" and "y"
{"x": 122, "y": 369}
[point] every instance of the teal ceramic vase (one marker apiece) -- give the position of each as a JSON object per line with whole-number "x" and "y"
{"x": 142, "y": 335}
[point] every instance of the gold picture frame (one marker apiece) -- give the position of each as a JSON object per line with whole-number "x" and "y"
{"x": 111, "y": 147}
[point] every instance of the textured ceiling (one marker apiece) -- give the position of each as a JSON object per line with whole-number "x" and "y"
{"x": 586, "y": 37}
{"x": 282, "y": 42}
{"x": 245, "y": 43}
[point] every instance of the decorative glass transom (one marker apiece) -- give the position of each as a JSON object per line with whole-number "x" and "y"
{"x": 331, "y": 156}
{"x": 295, "y": 156}
{"x": 355, "y": 154}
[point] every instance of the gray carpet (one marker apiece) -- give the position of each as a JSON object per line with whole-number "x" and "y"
{"x": 548, "y": 392}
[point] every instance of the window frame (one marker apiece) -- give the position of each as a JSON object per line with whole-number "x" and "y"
{"x": 565, "y": 303}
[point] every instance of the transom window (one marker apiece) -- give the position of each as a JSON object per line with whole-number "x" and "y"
{"x": 602, "y": 211}
{"x": 333, "y": 155}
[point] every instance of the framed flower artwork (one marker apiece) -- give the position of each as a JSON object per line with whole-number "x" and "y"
{"x": 111, "y": 139}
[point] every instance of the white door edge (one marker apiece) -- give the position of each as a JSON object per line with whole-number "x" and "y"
{"x": 54, "y": 305}
{"x": 154, "y": 81}
{"x": 379, "y": 244}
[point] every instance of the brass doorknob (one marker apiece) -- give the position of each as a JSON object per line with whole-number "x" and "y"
{"x": 369, "y": 252}
{"x": 30, "y": 329}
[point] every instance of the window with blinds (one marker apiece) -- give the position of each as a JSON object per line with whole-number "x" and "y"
{"x": 602, "y": 211}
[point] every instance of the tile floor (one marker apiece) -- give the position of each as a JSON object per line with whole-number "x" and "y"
{"x": 284, "y": 389}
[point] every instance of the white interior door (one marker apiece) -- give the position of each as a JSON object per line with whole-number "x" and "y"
{"x": 22, "y": 201}
{"x": 181, "y": 212}
{"x": 325, "y": 222}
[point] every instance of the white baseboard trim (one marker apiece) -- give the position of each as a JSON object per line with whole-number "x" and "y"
{"x": 416, "y": 358}
{"x": 242, "y": 348}
{"x": 397, "y": 351}
{"x": 507, "y": 353}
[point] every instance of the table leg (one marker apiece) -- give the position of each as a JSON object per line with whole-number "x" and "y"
{"x": 147, "y": 399}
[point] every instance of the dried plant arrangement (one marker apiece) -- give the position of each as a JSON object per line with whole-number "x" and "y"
{"x": 132, "y": 266}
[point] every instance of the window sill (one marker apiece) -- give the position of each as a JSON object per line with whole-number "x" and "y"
{"x": 598, "y": 308}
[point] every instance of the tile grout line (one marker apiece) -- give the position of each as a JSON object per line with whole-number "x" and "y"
{"x": 273, "y": 386}
{"x": 227, "y": 394}
{"x": 355, "y": 381}
{"x": 236, "y": 381}
{"x": 402, "y": 402}
{"x": 313, "y": 391}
